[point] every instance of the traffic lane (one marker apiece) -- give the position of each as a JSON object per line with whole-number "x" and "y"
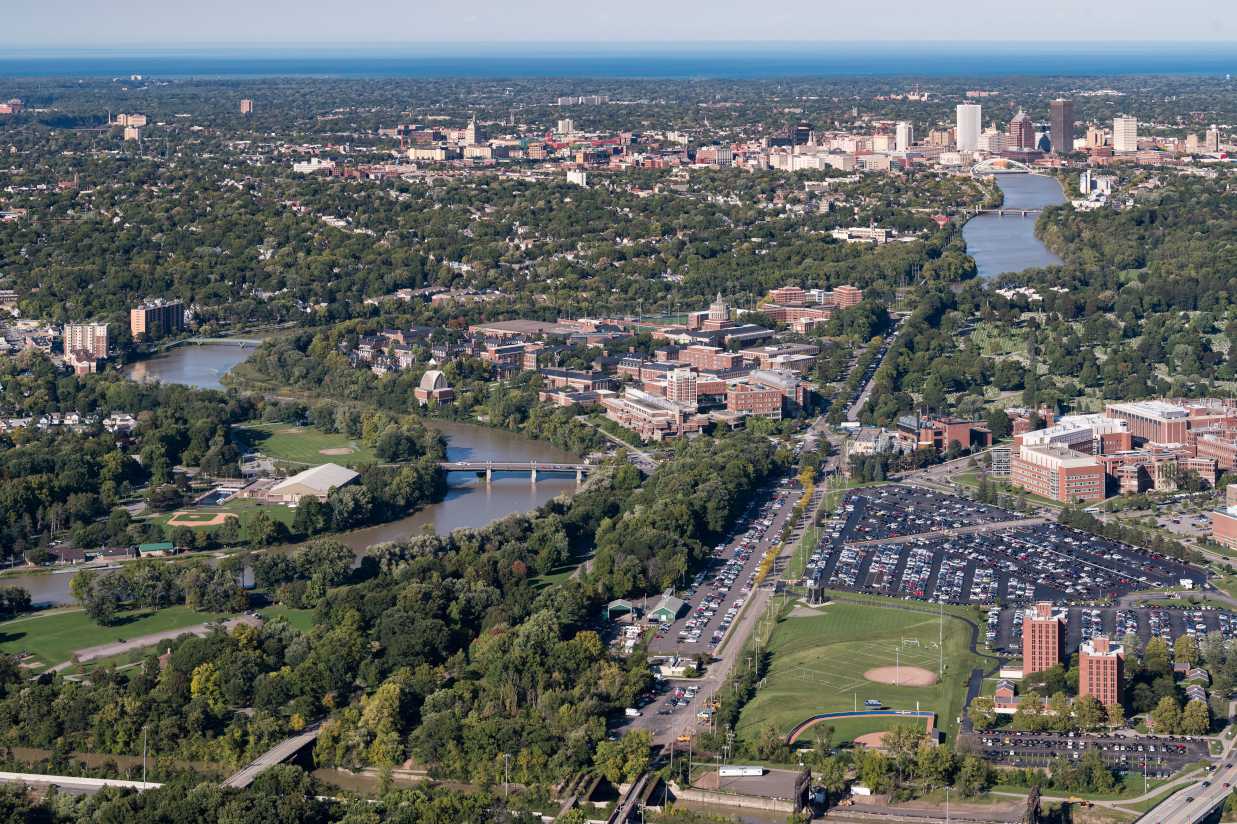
{"x": 1190, "y": 804}
{"x": 669, "y": 643}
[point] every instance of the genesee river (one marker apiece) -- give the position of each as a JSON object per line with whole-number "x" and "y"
{"x": 1007, "y": 243}
{"x": 470, "y": 501}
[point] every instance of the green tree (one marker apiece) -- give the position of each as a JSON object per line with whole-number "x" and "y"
{"x": 1088, "y": 712}
{"x": 1196, "y": 720}
{"x": 982, "y": 712}
{"x": 1185, "y": 650}
{"x": 1167, "y": 716}
{"x": 230, "y": 531}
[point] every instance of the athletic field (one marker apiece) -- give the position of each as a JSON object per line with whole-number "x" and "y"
{"x": 817, "y": 665}
{"x": 293, "y": 444}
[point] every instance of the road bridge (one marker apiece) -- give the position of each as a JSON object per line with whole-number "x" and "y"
{"x": 283, "y": 751}
{"x": 490, "y": 467}
{"x": 1004, "y": 212}
{"x": 241, "y": 342}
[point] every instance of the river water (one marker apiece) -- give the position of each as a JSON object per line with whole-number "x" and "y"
{"x": 470, "y": 501}
{"x": 1007, "y": 243}
{"x": 200, "y": 366}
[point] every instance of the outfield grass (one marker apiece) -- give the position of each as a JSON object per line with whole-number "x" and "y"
{"x": 284, "y": 514}
{"x": 305, "y": 446}
{"x": 54, "y": 638}
{"x": 816, "y": 666}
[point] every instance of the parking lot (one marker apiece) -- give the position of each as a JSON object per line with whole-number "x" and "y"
{"x": 721, "y": 589}
{"x": 891, "y": 512}
{"x": 996, "y": 561}
{"x": 1083, "y": 623}
{"x": 1161, "y": 756}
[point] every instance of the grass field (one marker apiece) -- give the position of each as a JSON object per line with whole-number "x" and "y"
{"x": 276, "y": 441}
{"x": 55, "y": 637}
{"x": 816, "y": 665}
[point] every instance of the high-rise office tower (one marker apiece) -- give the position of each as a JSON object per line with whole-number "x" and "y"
{"x": 1021, "y": 132}
{"x": 969, "y": 115}
{"x": 246, "y": 106}
{"x": 474, "y": 133}
{"x": 905, "y": 136}
{"x": 1124, "y": 134}
{"x": 1213, "y": 139}
{"x": 1061, "y": 126}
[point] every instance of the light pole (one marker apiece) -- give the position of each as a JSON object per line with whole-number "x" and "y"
{"x": 506, "y": 774}
{"x": 757, "y": 659}
{"x": 144, "y": 729}
{"x": 947, "y": 789}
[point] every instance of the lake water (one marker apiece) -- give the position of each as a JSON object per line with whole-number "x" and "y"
{"x": 1007, "y": 243}
{"x": 200, "y": 366}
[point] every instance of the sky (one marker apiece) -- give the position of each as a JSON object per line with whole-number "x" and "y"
{"x": 122, "y": 23}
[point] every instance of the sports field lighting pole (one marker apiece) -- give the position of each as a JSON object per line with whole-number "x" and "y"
{"x": 506, "y": 774}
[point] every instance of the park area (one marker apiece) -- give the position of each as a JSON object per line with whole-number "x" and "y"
{"x": 308, "y": 447}
{"x": 213, "y": 518}
{"x": 52, "y": 638}
{"x": 846, "y": 655}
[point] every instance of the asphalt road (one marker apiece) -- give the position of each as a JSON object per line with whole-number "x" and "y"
{"x": 1180, "y": 809}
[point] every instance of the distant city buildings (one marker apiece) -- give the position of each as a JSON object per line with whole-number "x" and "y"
{"x": 1021, "y": 132}
{"x": 246, "y": 107}
{"x": 1124, "y": 134}
{"x": 969, "y": 117}
{"x": 1061, "y": 126}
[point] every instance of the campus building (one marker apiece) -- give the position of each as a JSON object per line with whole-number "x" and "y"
{"x": 1057, "y": 473}
{"x": 1101, "y": 670}
{"x": 1043, "y": 638}
{"x": 1224, "y": 519}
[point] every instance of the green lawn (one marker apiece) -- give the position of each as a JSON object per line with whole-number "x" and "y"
{"x": 304, "y": 447}
{"x": 54, "y": 638}
{"x": 817, "y": 666}
{"x": 245, "y": 515}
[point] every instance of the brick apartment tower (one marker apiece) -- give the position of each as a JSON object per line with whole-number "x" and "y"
{"x": 1043, "y": 639}
{"x": 1101, "y": 670}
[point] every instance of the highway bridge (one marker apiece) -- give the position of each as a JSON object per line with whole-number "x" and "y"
{"x": 490, "y": 467}
{"x": 1004, "y": 212}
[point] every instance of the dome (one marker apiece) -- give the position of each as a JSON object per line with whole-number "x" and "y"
{"x": 434, "y": 379}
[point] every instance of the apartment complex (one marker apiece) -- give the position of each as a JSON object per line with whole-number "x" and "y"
{"x": 86, "y": 337}
{"x": 1043, "y": 638}
{"x": 1101, "y": 670}
{"x": 157, "y": 318}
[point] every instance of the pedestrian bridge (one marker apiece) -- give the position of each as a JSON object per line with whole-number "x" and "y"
{"x": 490, "y": 467}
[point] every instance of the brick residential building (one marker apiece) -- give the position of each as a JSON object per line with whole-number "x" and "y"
{"x": 579, "y": 381}
{"x": 88, "y": 337}
{"x": 847, "y": 296}
{"x": 709, "y": 357}
{"x": 1101, "y": 670}
{"x": 1043, "y": 638}
{"x": 157, "y": 318}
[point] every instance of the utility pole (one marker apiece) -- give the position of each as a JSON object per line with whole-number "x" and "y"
{"x": 144, "y": 729}
{"x": 506, "y": 774}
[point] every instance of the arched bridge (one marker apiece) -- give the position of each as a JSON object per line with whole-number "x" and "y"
{"x": 490, "y": 467}
{"x": 1000, "y": 165}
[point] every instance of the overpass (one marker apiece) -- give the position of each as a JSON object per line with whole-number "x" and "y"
{"x": 490, "y": 467}
{"x": 283, "y": 751}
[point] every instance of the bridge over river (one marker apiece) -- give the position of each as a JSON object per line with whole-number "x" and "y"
{"x": 490, "y": 467}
